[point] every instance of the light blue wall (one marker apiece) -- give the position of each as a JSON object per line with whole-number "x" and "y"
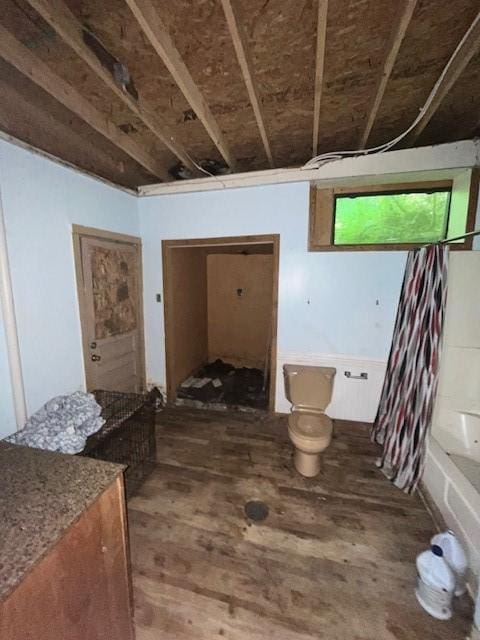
{"x": 327, "y": 301}
{"x": 41, "y": 200}
{"x": 332, "y": 303}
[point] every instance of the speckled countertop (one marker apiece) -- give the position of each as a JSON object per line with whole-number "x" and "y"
{"x": 41, "y": 495}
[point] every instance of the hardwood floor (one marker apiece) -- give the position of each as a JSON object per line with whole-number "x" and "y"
{"x": 334, "y": 560}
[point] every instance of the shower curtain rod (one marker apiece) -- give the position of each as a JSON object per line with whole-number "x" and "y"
{"x": 470, "y": 234}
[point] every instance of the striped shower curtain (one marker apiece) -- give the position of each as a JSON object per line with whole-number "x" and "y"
{"x": 408, "y": 393}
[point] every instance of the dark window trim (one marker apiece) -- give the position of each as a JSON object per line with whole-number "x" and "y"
{"x": 393, "y": 192}
{"x": 321, "y": 213}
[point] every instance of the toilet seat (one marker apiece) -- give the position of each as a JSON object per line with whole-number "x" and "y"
{"x": 311, "y": 433}
{"x": 310, "y": 425}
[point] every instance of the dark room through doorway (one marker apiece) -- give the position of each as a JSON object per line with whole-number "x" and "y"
{"x": 221, "y": 321}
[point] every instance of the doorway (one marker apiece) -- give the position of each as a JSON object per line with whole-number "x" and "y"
{"x": 109, "y": 282}
{"x": 221, "y": 320}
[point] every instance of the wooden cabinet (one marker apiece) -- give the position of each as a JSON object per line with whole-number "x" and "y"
{"x": 80, "y": 590}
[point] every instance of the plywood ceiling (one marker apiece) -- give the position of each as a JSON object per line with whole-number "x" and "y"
{"x": 245, "y": 83}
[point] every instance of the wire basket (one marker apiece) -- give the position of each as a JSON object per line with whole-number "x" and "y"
{"x": 127, "y": 437}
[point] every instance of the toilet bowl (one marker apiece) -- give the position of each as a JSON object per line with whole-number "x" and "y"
{"x": 309, "y": 391}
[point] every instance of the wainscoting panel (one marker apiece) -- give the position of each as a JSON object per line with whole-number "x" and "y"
{"x": 353, "y": 398}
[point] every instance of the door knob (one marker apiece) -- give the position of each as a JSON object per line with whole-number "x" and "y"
{"x": 96, "y": 358}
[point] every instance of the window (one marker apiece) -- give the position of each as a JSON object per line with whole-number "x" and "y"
{"x": 392, "y": 218}
{"x": 395, "y": 216}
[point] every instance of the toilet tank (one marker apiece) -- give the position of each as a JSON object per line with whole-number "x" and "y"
{"x": 308, "y": 387}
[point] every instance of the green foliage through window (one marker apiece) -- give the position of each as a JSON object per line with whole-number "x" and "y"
{"x": 391, "y": 218}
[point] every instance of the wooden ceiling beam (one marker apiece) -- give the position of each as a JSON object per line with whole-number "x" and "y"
{"x": 319, "y": 65}
{"x": 53, "y": 138}
{"x": 397, "y": 34}
{"x": 239, "y": 39}
{"x": 466, "y": 49}
{"x": 157, "y": 34}
{"x": 25, "y": 61}
{"x": 64, "y": 22}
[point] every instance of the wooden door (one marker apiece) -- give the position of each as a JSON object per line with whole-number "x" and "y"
{"x": 112, "y": 319}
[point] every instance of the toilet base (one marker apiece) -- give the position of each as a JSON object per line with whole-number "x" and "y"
{"x": 307, "y": 464}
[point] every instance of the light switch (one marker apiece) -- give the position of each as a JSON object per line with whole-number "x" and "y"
{"x": 158, "y": 297}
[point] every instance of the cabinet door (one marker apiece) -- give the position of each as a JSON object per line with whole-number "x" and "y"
{"x": 81, "y": 589}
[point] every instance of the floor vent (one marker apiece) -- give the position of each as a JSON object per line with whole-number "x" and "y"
{"x": 256, "y": 510}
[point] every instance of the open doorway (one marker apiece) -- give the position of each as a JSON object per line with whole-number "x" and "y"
{"x": 221, "y": 321}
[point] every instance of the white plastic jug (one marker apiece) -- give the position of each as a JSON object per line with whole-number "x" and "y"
{"x": 455, "y": 557}
{"x": 435, "y": 583}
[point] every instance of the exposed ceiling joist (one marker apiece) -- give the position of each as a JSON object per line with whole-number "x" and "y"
{"x": 319, "y": 64}
{"x": 56, "y": 134}
{"x": 397, "y": 34}
{"x": 466, "y": 49}
{"x": 158, "y": 36}
{"x": 237, "y": 33}
{"x": 29, "y": 65}
{"x": 299, "y": 67}
{"x": 63, "y": 21}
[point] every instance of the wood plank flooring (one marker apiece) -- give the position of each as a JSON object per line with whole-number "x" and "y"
{"x": 334, "y": 560}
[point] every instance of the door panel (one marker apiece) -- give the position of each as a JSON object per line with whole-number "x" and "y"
{"x": 112, "y": 314}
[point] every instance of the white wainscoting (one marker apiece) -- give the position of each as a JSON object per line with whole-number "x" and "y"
{"x": 353, "y": 399}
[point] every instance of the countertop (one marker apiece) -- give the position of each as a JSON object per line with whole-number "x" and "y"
{"x": 41, "y": 495}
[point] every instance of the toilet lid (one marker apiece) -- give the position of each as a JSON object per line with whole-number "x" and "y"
{"x": 310, "y": 425}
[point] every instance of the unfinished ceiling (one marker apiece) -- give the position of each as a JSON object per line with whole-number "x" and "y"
{"x": 243, "y": 84}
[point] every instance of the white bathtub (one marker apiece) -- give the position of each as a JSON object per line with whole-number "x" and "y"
{"x": 458, "y": 433}
{"x": 452, "y": 472}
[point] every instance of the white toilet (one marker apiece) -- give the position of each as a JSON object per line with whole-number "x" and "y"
{"x": 309, "y": 390}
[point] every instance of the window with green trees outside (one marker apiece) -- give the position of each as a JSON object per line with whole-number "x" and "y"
{"x": 410, "y": 217}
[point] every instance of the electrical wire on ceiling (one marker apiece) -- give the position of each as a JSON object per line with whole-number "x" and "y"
{"x": 202, "y": 169}
{"x": 199, "y": 167}
{"x": 318, "y": 161}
